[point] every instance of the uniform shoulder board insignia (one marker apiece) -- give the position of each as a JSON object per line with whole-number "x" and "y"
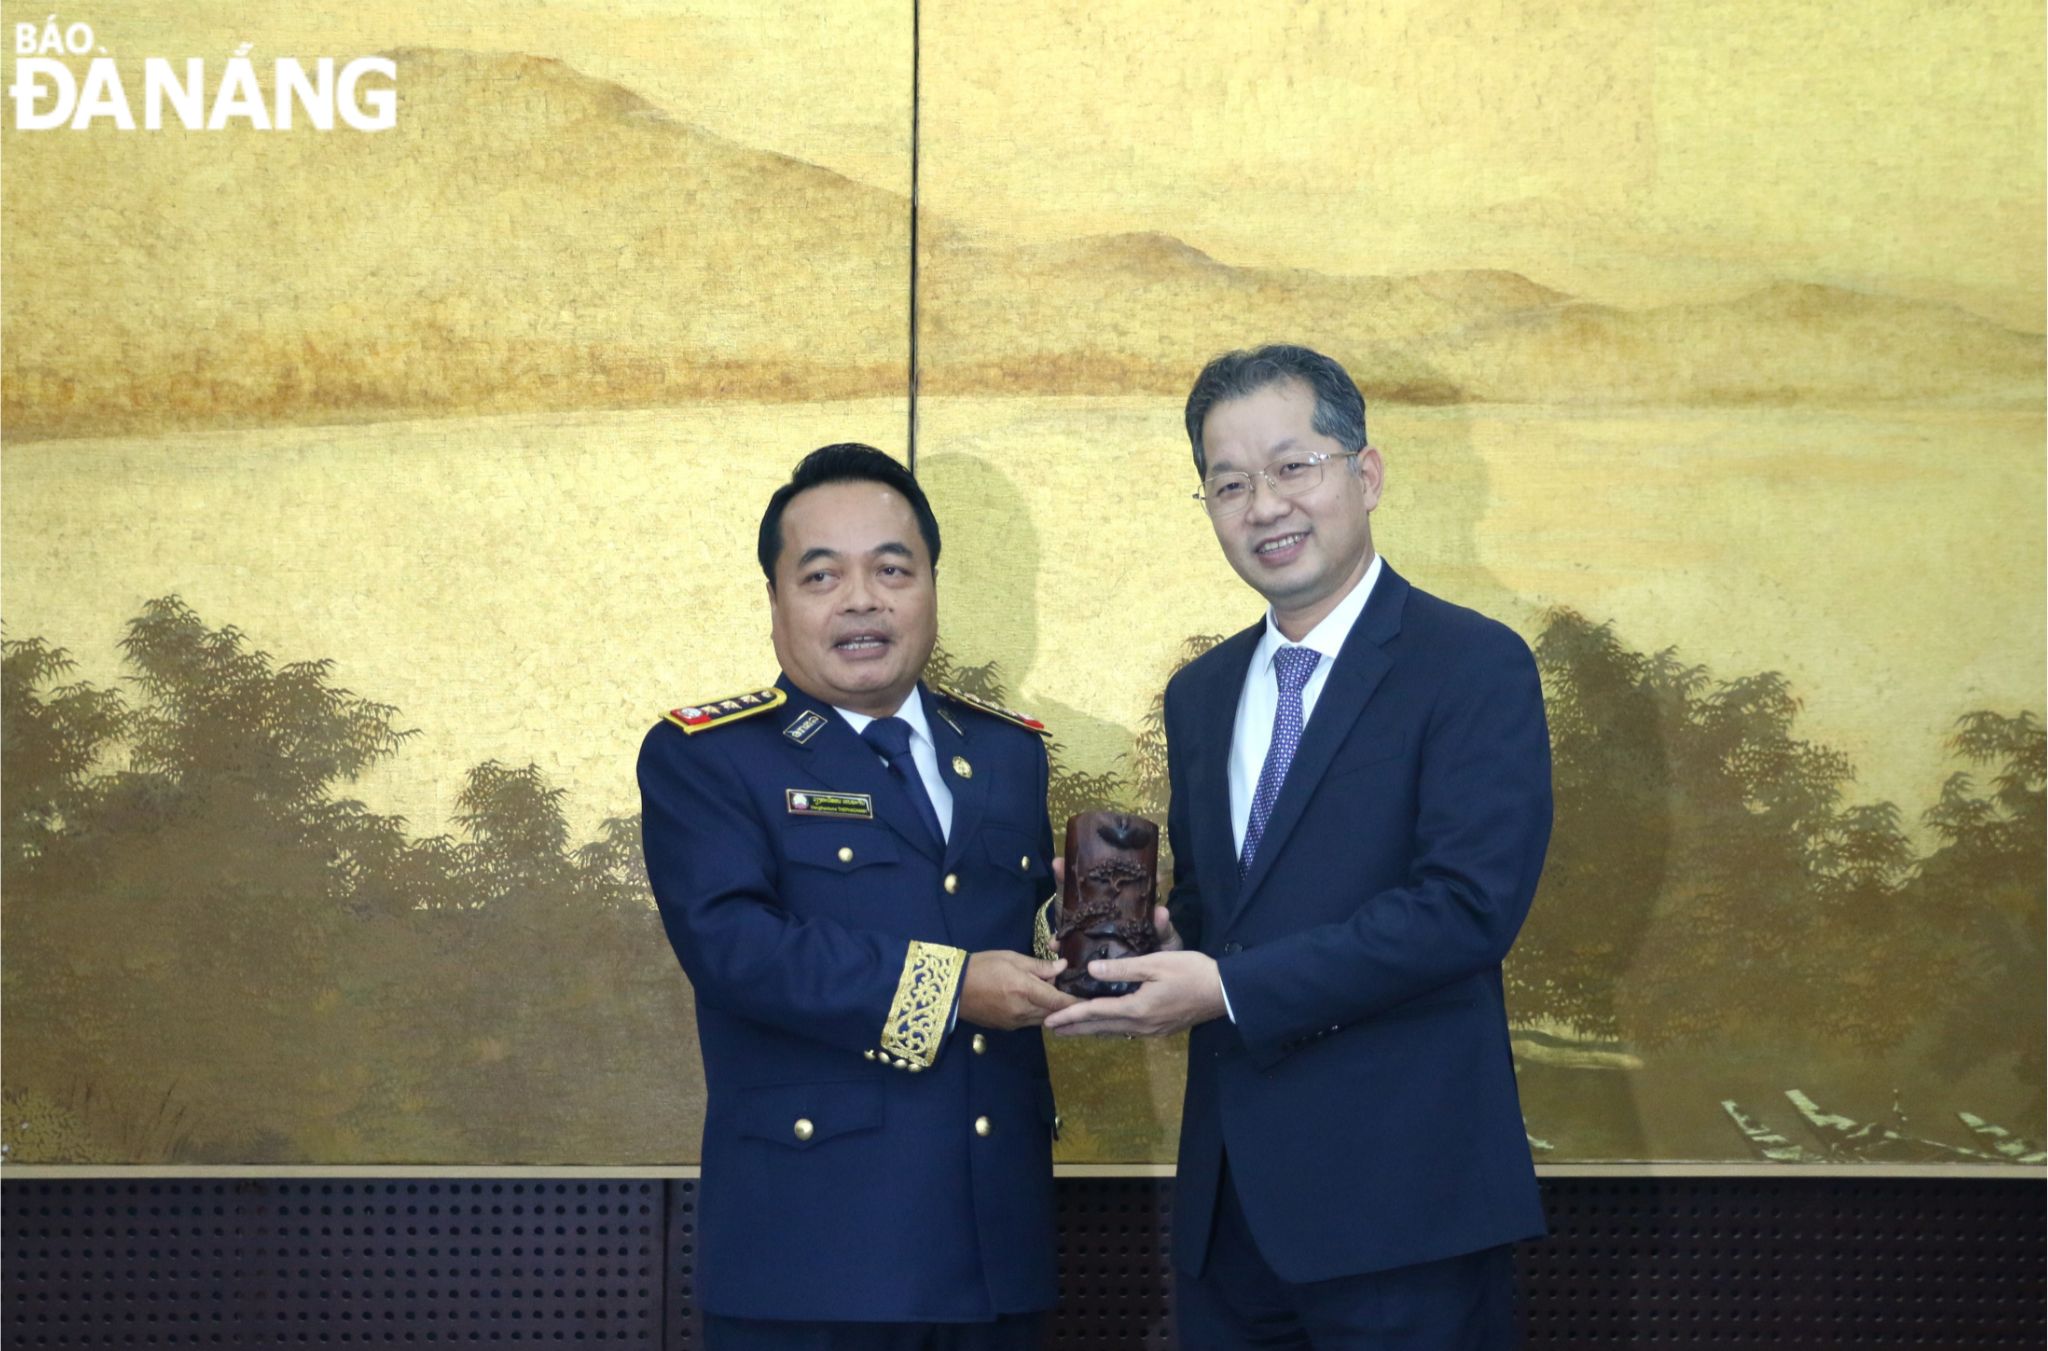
{"x": 1023, "y": 720}
{"x": 695, "y": 718}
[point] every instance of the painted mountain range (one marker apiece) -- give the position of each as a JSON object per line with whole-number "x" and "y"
{"x": 529, "y": 238}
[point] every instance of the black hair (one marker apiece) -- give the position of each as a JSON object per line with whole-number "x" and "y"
{"x": 1340, "y": 408}
{"x": 848, "y": 461}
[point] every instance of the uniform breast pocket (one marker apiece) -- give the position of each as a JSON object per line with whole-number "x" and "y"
{"x": 840, "y": 847}
{"x": 1014, "y": 851}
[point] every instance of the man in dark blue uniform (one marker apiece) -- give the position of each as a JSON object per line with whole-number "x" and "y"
{"x": 852, "y": 868}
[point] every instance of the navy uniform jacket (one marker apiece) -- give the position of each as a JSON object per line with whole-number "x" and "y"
{"x": 859, "y": 1163}
{"x": 1366, "y": 1092}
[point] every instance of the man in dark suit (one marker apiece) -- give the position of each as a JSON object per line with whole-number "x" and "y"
{"x": 1361, "y": 804}
{"x": 850, "y": 868}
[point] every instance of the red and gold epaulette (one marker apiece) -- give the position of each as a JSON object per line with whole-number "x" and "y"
{"x": 695, "y": 718}
{"x": 1023, "y": 720}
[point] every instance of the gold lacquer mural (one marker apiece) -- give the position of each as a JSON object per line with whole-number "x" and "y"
{"x": 1704, "y": 346}
{"x": 368, "y": 492}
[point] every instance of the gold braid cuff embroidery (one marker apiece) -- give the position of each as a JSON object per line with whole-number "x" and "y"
{"x": 924, "y": 1001}
{"x": 1043, "y": 945}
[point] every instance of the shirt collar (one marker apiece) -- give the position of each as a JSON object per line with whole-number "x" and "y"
{"x": 1328, "y": 636}
{"x": 912, "y": 712}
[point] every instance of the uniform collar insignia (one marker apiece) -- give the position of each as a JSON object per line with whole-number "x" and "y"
{"x": 805, "y": 727}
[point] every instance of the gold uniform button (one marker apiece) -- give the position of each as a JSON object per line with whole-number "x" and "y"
{"x": 1025, "y": 863}
{"x": 980, "y": 1043}
{"x": 981, "y": 1126}
{"x": 952, "y": 883}
{"x": 845, "y": 854}
{"x": 804, "y": 1129}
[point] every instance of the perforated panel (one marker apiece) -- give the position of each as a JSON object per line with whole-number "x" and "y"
{"x": 1792, "y": 1263}
{"x": 685, "y": 1325}
{"x": 1795, "y": 1263}
{"x": 1116, "y": 1278}
{"x": 279, "y": 1264}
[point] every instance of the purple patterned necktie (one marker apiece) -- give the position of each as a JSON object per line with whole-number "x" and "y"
{"x": 1292, "y": 666}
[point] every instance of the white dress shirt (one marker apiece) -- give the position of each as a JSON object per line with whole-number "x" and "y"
{"x": 922, "y": 751}
{"x": 1252, "y": 735}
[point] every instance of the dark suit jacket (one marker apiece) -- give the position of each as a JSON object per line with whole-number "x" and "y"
{"x": 796, "y": 929}
{"x": 1366, "y": 1093}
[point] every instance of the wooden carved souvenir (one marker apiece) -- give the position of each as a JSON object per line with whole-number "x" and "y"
{"x": 1106, "y": 898}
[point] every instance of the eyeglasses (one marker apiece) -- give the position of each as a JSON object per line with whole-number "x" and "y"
{"x": 1229, "y": 493}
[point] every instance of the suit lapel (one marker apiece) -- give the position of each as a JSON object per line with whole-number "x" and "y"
{"x": 1362, "y": 663}
{"x": 970, "y": 791}
{"x": 837, "y": 760}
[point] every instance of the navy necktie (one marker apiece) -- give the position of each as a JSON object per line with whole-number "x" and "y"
{"x": 1292, "y": 666}
{"x": 891, "y": 739}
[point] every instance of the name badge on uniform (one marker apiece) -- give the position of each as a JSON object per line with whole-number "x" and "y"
{"x": 804, "y": 802}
